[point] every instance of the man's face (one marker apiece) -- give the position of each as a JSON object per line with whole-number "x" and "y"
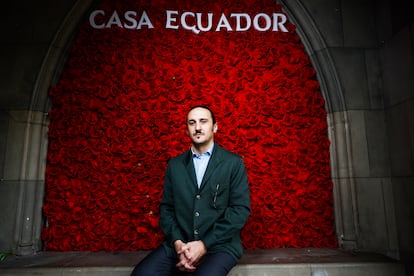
{"x": 200, "y": 126}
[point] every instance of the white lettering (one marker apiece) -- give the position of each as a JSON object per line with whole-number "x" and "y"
{"x": 144, "y": 20}
{"x": 223, "y": 23}
{"x": 246, "y": 17}
{"x": 195, "y": 22}
{"x": 267, "y": 19}
{"x": 130, "y": 17}
{"x": 170, "y": 19}
{"x": 209, "y": 22}
{"x": 114, "y": 20}
{"x": 92, "y": 21}
{"x": 280, "y": 24}
{"x": 184, "y": 22}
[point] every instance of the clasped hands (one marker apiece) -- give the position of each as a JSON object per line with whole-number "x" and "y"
{"x": 189, "y": 254}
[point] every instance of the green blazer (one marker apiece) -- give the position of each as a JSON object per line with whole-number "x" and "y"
{"x": 214, "y": 213}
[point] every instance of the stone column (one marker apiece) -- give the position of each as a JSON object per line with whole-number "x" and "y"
{"x": 26, "y": 153}
{"x": 344, "y": 187}
{"x": 25, "y": 165}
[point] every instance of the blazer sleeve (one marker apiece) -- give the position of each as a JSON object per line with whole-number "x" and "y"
{"x": 168, "y": 221}
{"x": 237, "y": 211}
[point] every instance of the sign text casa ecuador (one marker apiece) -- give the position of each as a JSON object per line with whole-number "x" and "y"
{"x": 192, "y": 21}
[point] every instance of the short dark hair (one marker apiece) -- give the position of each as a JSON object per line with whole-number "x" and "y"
{"x": 205, "y": 107}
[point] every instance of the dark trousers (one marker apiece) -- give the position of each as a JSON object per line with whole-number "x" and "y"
{"x": 157, "y": 263}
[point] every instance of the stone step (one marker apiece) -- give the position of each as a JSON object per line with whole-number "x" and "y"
{"x": 292, "y": 262}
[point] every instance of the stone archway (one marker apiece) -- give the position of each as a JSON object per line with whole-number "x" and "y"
{"x": 34, "y": 125}
{"x": 28, "y": 224}
{"x": 338, "y": 124}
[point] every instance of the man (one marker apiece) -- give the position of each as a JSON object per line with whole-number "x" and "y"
{"x": 204, "y": 206}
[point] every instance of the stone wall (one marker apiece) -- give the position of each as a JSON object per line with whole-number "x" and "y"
{"x": 397, "y": 57}
{"x": 365, "y": 62}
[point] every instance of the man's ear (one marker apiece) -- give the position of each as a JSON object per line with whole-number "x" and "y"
{"x": 215, "y": 128}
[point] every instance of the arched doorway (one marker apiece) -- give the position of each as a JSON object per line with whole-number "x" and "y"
{"x": 29, "y": 219}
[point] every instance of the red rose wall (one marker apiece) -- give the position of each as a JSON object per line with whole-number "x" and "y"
{"x": 119, "y": 113}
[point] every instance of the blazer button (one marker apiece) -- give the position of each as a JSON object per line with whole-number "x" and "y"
{"x": 196, "y": 214}
{"x": 198, "y": 196}
{"x": 195, "y": 232}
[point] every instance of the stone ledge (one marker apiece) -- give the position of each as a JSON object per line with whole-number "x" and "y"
{"x": 288, "y": 261}
{"x": 330, "y": 269}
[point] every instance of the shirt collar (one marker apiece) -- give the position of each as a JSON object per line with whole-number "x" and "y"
{"x": 207, "y": 153}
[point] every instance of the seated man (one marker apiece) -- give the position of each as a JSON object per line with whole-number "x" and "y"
{"x": 204, "y": 206}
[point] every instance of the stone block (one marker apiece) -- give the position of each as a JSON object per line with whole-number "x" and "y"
{"x": 9, "y": 196}
{"x": 358, "y": 23}
{"x": 376, "y": 221}
{"x": 398, "y": 74}
{"x": 400, "y": 139}
{"x": 359, "y": 144}
{"x": 327, "y": 16}
{"x": 377, "y": 142}
{"x": 374, "y": 80}
{"x": 403, "y": 189}
{"x": 351, "y": 69}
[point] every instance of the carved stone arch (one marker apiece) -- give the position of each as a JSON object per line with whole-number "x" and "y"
{"x": 28, "y": 224}
{"x": 345, "y": 201}
{"x": 32, "y": 163}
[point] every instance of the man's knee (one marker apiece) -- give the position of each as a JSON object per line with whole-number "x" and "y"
{"x": 155, "y": 263}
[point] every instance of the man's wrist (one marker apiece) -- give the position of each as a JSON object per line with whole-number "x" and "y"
{"x": 204, "y": 246}
{"x": 178, "y": 244}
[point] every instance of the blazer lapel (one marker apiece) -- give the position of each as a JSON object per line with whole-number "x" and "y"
{"x": 190, "y": 168}
{"x": 215, "y": 161}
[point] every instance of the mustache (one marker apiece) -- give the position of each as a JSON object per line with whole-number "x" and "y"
{"x": 198, "y": 132}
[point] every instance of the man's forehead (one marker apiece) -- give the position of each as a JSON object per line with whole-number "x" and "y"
{"x": 199, "y": 113}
